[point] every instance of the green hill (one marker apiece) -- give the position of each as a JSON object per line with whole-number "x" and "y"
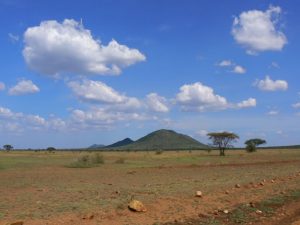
{"x": 126, "y": 141}
{"x": 164, "y": 140}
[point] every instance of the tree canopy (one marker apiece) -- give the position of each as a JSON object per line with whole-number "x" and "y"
{"x": 251, "y": 144}
{"x": 8, "y": 147}
{"x": 222, "y": 140}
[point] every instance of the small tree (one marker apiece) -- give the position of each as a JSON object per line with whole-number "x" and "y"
{"x": 50, "y": 149}
{"x": 222, "y": 140}
{"x": 251, "y": 144}
{"x": 7, "y": 147}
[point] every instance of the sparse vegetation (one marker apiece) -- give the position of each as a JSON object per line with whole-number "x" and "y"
{"x": 87, "y": 161}
{"x": 52, "y": 191}
{"x": 120, "y": 161}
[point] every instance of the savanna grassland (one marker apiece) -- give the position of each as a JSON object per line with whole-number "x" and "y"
{"x": 40, "y": 188}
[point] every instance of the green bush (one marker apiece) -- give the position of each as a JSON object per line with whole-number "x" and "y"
{"x": 87, "y": 161}
{"x": 159, "y": 152}
{"x": 97, "y": 159}
{"x": 250, "y": 147}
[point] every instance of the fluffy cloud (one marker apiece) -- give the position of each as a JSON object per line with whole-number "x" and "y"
{"x": 2, "y": 86}
{"x": 239, "y": 69}
{"x": 98, "y": 92}
{"x": 198, "y": 97}
{"x": 296, "y": 105}
{"x": 157, "y": 103}
{"x": 257, "y": 30}
{"x": 97, "y": 117}
{"x": 271, "y": 85}
{"x": 19, "y": 122}
{"x": 54, "y": 48}
{"x": 251, "y": 102}
{"x": 24, "y": 87}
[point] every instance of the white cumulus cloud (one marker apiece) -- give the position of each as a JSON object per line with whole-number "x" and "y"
{"x": 251, "y": 102}
{"x": 198, "y": 97}
{"x": 23, "y": 87}
{"x": 54, "y": 48}
{"x": 258, "y": 30}
{"x": 157, "y": 103}
{"x": 271, "y": 85}
{"x": 239, "y": 69}
{"x": 99, "y": 92}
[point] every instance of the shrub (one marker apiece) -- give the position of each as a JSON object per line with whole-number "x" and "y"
{"x": 97, "y": 159}
{"x": 159, "y": 152}
{"x": 250, "y": 147}
{"x": 87, "y": 161}
{"x": 81, "y": 162}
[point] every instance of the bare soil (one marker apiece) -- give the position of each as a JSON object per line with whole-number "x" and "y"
{"x": 50, "y": 193}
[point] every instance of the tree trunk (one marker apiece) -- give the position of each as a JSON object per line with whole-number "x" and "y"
{"x": 222, "y": 152}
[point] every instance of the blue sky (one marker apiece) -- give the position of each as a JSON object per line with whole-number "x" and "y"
{"x": 78, "y": 73}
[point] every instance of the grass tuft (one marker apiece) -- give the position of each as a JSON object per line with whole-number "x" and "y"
{"x": 87, "y": 161}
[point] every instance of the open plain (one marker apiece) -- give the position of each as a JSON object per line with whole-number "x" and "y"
{"x": 40, "y": 188}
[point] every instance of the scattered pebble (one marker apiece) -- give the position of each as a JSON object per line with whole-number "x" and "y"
{"x": 198, "y": 194}
{"x": 137, "y": 206}
{"x": 258, "y": 212}
{"x": 237, "y": 185}
{"x": 225, "y": 211}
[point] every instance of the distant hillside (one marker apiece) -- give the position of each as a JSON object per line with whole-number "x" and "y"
{"x": 125, "y": 141}
{"x": 164, "y": 140}
{"x": 95, "y": 146}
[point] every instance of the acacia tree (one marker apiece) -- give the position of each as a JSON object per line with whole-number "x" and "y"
{"x": 251, "y": 144}
{"x": 7, "y": 147}
{"x": 222, "y": 140}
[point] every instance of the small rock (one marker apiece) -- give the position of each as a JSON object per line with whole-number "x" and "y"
{"x": 261, "y": 184}
{"x": 258, "y": 212}
{"x": 17, "y": 223}
{"x": 272, "y": 181}
{"x": 225, "y": 211}
{"x": 237, "y": 185}
{"x": 227, "y": 192}
{"x": 198, "y": 194}
{"x": 137, "y": 206}
{"x": 264, "y": 180}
